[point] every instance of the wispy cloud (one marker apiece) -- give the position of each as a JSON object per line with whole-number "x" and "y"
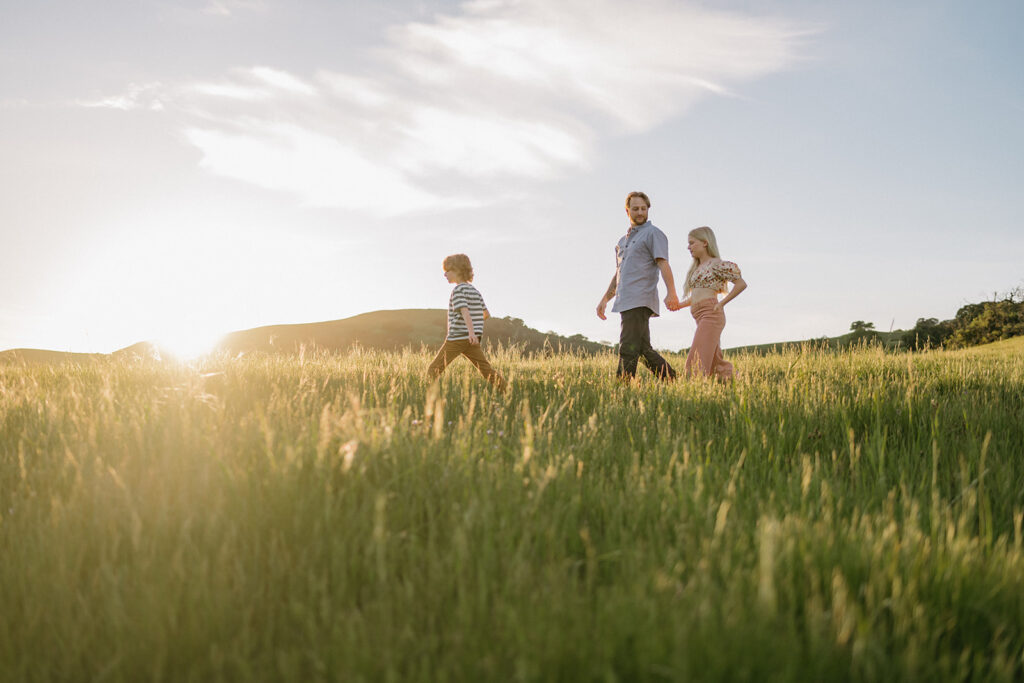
{"x": 226, "y": 8}
{"x": 503, "y": 92}
{"x": 637, "y": 66}
{"x": 321, "y": 169}
{"x": 137, "y": 96}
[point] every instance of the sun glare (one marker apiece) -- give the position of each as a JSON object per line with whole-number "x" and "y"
{"x": 188, "y": 345}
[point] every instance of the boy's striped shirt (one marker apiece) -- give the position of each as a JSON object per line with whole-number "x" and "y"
{"x": 465, "y": 295}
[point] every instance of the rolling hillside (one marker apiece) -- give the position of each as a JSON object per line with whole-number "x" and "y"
{"x": 392, "y": 330}
{"x": 413, "y": 328}
{"x": 45, "y": 356}
{"x": 388, "y": 330}
{"x": 889, "y": 340}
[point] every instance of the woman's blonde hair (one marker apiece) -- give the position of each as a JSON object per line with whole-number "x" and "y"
{"x": 460, "y": 265}
{"x": 707, "y": 236}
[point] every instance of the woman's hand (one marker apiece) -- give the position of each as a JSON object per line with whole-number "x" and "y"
{"x": 679, "y": 305}
{"x": 738, "y": 286}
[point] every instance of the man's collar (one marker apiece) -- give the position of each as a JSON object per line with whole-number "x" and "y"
{"x": 637, "y": 227}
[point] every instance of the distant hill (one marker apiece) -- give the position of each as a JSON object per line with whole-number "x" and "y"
{"x": 387, "y": 330}
{"x": 413, "y": 328}
{"x": 141, "y": 349}
{"x": 1013, "y": 347}
{"x": 44, "y": 356}
{"x": 889, "y": 340}
{"x": 391, "y": 330}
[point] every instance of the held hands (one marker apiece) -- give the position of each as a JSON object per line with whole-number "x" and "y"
{"x": 672, "y": 302}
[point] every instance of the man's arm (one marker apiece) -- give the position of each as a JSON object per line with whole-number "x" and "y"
{"x": 672, "y": 299}
{"x": 608, "y": 295}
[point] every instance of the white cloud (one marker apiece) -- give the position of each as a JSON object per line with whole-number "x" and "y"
{"x": 502, "y": 90}
{"x": 252, "y": 84}
{"x": 146, "y": 96}
{"x": 226, "y": 8}
{"x": 282, "y": 80}
{"x": 355, "y": 90}
{"x": 637, "y": 66}
{"x": 232, "y": 91}
{"x": 320, "y": 169}
{"x": 217, "y": 8}
{"x": 489, "y": 144}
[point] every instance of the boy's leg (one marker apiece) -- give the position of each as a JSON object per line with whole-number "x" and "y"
{"x": 449, "y": 351}
{"x": 476, "y": 356}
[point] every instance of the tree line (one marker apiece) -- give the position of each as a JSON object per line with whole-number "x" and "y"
{"x": 973, "y": 324}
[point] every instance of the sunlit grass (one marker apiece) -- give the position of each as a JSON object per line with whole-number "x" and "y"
{"x": 827, "y": 517}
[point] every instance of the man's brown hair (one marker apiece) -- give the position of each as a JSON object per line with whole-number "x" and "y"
{"x": 641, "y": 195}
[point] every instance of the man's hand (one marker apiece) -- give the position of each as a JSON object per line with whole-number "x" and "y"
{"x": 672, "y": 301}
{"x": 608, "y": 295}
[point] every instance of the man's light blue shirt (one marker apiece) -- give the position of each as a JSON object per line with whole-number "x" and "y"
{"x": 636, "y": 267}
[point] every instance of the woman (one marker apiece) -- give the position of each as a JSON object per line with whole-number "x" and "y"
{"x": 704, "y": 281}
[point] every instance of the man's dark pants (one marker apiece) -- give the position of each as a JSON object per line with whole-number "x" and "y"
{"x": 635, "y": 343}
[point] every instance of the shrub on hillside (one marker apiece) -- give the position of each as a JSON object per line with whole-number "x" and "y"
{"x": 927, "y": 333}
{"x": 989, "y": 321}
{"x": 974, "y": 324}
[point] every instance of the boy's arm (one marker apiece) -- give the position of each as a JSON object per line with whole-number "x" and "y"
{"x": 672, "y": 299}
{"x": 609, "y": 293}
{"x": 487, "y": 314}
{"x": 473, "y": 339}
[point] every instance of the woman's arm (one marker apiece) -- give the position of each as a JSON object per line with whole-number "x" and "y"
{"x": 738, "y": 285}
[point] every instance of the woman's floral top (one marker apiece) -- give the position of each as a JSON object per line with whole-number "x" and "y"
{"x": 713, "y": 275}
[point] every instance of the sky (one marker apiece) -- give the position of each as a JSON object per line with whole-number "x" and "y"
{"x": 172, "y": 170}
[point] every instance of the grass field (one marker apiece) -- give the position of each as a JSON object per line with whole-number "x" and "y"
{"x": 850, "y": 516}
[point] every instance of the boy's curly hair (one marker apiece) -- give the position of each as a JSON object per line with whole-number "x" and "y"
{"x": 460, "y": 265}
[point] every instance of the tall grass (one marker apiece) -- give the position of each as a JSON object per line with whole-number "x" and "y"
{"x": 831, "y": 517}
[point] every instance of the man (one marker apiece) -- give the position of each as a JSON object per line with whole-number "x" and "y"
{"x": 639, "y": 256}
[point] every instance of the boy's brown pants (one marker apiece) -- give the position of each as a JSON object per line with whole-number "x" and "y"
{"x": 451, "y": 350}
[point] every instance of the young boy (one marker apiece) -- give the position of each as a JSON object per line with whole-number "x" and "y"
{"x": 466, "y": 315}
